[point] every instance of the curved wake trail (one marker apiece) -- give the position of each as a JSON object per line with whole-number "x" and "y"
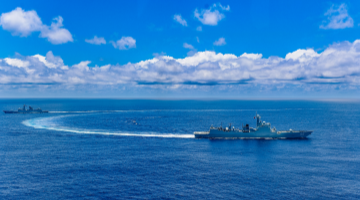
{"x": 36, "y": 123}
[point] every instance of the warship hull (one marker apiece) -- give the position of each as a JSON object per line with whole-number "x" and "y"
{"x": 27, "y": 112}
{"x": 252, "y": 135}
{"x": 263, "y": 130}
{"x": 23, "y": 110}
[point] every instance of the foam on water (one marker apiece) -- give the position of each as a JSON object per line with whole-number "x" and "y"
{"x": 42, "y": 123}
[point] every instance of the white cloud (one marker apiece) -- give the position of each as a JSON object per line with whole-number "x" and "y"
{"x": 197, "y": 39}
{"x": 188, "y": 46}
{"x": 23, "y": 23}
{"x": 51, "y": 61}
{"x": 211, "y": 16}
{"x": 253, "y": 56}
{"x": 192, "y": 52}
{"x": 199, "y": 28}
{"x": 17, "y": 62}
{"x": 302, "y": 55}
{"x": 20, "y": 64}
{"x": 227, "y": 8}
{"x": 191, "y": 47}
{"x": 337, "y": 18}
{"x": 124, "y": 43}
{"x": 336, "y": 66}
{"x": 204, "y": 57}
{"x": 19, "y": 22}
{"x": 220, "y": 42}
{"x": 179, "y": 19}
{"x": 55, "y": 34}
{"x": 96, "y": 40}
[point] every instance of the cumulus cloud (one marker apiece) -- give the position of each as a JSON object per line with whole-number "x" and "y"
{"x": 19, "y": 22}
{"x": 180, "y": 20}
{"x": 302, "y": 55}
{"x": 252, "y": 56}
{"x": 96, "y": 40}
{"x": 124, "y": 43}
{"x": 220, "y": 42}
{"x": 337, "y": 18}
{"x": 212, "y": 15}
{"x": 55, "y": 34}
{"x": 23, "y": 23}
{"x": 336, "y": 66}
{"x": 51, "y": 61}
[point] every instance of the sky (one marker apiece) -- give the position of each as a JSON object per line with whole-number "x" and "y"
{"x": 180, "y": 49}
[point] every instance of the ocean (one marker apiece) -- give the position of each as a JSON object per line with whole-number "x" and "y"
{"x": 145, "y": 149}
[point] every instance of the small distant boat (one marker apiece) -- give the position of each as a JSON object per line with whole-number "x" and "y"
{"x": 23, "y": 110}
{"x": 262, "y": 130}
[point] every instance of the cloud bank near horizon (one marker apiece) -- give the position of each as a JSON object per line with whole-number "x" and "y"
{"x": 337, "y": 66}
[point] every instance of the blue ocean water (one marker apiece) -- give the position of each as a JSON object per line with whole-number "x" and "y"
{"x": 145, "y": 149}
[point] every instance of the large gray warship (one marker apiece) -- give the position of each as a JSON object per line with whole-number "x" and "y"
{"x": 262, "y": 130}
{"x": 23, "y": 110}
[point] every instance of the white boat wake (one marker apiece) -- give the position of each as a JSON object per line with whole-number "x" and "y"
{"x": 43, "y": 123}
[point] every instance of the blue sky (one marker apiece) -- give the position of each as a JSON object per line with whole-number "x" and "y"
{"x": 129, "y": 33}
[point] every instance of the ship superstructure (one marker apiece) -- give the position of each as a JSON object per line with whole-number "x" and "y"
{"x": 263, "y": 130}
{"x": 23, "y": 110}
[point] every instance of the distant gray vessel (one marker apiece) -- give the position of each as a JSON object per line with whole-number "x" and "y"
{"x": 26, "y": 111}
{"x": 262, "y": 130}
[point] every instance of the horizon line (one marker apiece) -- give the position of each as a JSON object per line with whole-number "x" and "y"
{"x": 194, "y": 98}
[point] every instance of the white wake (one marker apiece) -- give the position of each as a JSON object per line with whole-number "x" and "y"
{"x": 42, "y": 123}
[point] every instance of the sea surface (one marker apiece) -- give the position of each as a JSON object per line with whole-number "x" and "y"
{"x": 145, "y": 149}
